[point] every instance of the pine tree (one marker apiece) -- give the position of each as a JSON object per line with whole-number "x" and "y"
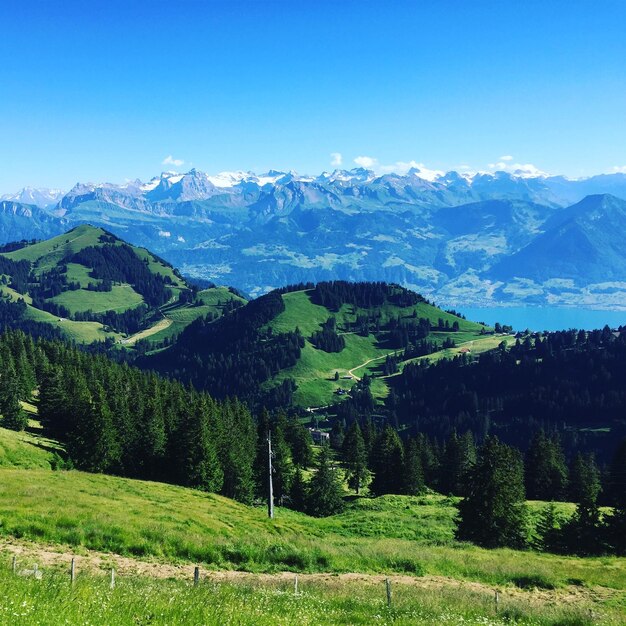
{"x": 238, "y": 452}
{"x": 298, "y": 494}
{"x": 493, "y": 513}
{"x": 299, "y": 439}
{"x": 355, "y": 457}
{"x": 582, "y": 532}
{"x": 617, "y": 478}
{"x": 429, "y": 460}
{"x": 548, "y": 533}
{"x": 616, "y": 523}
{"x": 91, "y": 440}
{"x": 458, "y": 456}
{"x": 152, "y": 438}
{"x": 199, "y": 465}
{"x": 54, "y": 402}
{"x": 325, "y": 495}
{"x": 413, "y": 472}
{"x": 545, "y": 469}
{"x": 282, "y": 466}
{"x": 387, "y": 462}
{"x": 13, "y": 415}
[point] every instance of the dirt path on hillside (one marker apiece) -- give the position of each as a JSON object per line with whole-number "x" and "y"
{"x": 377, "y": 358}
{"x": 59, "y": 557}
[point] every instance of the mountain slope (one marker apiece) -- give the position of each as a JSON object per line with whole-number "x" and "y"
{"x": 90, "y": 285}
{"x": 437, "y": 233}
{"x": 24, "y": 221}
{"x": 583, "y": 243}
{"x": 310, "y": 344}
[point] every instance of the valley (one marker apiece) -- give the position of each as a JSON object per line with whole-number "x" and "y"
{"x": 120, "y": 467}
{"x": 461, "y": 239}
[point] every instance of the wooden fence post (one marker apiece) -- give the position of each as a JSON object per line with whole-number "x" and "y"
{"x": 295, "y": 586}
{"x": 497, "y": 600}
{"x": 112, "y": 578}
{"x": 73, "y": 571}
{"x": 196, "y": 576}
{"x": 14, "y": 564}
{"x": 388, "y": 585}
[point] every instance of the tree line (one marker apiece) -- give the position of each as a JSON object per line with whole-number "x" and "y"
{"x": 117, "y": 419}
{"x": 234, "y": 355}
{"x": 120, "y": 263}
{"x": 570, "y": 382}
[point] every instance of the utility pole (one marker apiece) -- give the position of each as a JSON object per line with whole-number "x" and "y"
{"x": 270, "y": 498}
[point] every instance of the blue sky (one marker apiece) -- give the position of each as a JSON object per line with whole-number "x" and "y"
{"x": 108, "y": 90}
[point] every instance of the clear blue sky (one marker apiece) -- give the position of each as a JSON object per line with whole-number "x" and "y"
{"x": 96, "y": 90}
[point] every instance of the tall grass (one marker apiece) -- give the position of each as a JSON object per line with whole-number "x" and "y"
{"x": 52, "y": 601}
{"x": 383, "y": 535}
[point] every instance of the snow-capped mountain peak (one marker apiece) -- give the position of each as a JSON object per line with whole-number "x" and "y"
{"x": 40, "y": 197}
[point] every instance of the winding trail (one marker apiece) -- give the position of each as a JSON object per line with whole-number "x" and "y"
{"x": 377, "y": 358}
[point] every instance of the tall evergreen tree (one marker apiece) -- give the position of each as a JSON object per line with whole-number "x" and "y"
{"x": 387, "y": 462}
{"x": 54, "y": 401}
{"x": 493, "y": 513}
{"x": 545, "y": 469}
{"x": 282, "y": 466}
{"x": 413, "y": 472}
{"x": 199, "y": 465}
{"x": 238, "y": 452}
{"x": 298, "y": 494}
{"x": 548, "y": 535}
{"x": 617, "y": 489}
{"x": 300, "y": 442}
{"x": 429, "y": 460}
{"x": 325, "y": 496}
{"x": 13, "y": 415}
{"x": 582, "y": 532}
{"x": 459, "y": 454}
{"x": 355, "y": 457}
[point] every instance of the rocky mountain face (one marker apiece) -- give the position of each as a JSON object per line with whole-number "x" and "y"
{"x": 461, "y": 239}
{"x": 26, "y": 221}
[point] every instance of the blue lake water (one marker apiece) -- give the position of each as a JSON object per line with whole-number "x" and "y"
{"x": 545, "y": 318}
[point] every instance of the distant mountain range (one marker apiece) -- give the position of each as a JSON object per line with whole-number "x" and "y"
{"x": 462, "y": 239}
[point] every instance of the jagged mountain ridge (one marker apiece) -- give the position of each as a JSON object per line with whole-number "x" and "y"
{"x": 440, "y": 234}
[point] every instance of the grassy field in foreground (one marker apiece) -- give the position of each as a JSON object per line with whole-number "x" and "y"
{"x": 136, "y": 600}
{"x": 385, "y": 535}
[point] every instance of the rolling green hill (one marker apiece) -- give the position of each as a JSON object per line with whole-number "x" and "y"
{"x": 323, "y": 338}
{"x": 91, "y": 286}
{"x": 315, "y": 370}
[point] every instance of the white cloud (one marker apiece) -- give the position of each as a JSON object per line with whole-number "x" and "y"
{"x": 525, "y": 170}
{"x": 170, "y": 160}
{"x": 619, "y": 169}
{"x": 366, "y": 162}
{"x": 399, "y": 167}
{"x": 507, "y": 157}
{"x": 336, "y": 159}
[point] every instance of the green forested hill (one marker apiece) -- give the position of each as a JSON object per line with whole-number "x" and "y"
{"x": 306, "y": 345}
{"x": 311, "y": 343}
{"x": 88, "y": 285}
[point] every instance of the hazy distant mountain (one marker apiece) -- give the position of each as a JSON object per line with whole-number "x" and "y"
{"x": 461, "y": 238}
{"x": 584, "y": 243}
{"x": 22, "y": 221}
{"x": 42, "y": 198}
